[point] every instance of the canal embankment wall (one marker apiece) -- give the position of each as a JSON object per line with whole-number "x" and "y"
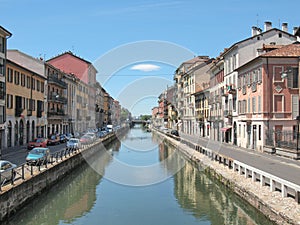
{"x": 241, "y": 179}
{"x": 24, "y": 190}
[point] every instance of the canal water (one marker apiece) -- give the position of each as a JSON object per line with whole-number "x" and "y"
{"x": 121, "y": 184}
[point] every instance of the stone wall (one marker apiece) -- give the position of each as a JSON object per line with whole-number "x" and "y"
{"x": 24, "y": 191}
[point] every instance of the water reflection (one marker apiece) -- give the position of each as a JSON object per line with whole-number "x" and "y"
{"x": 187, "y": 197}
{"x": 71, "y": 198}
{"x": 207, "y": 200}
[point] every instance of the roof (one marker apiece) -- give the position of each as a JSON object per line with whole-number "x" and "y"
{"x": 70, "y": 63}
{"x": 69, "y": 53}
{"x": 26, "y": 61}
{"x": 255, "y": 36}
{"x": 291, "y": 50}
{"x": 6, "y": 32}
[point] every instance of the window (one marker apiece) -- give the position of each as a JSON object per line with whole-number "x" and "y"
{"x": 23, "y": 79}
{"x": 259, "y": 104}
{"x": 17, "y": 77}
{"x": 42, "y": 87}
{"x": 28, "y": 81}
{"x": 295, "y": 106}
{"x": 292, "y": 78}
{"x": 277, "y": 71}
{"x": 240, "y": 129}
{"x": 259, "y": 75}
{"x": 278, "y": 103}
{"x": 9, "y": 75}
{"x": 2, "y": 44}
{"x": 2, "y": 90}
{"x": 259, "y": 132}
{"x": 9, "y": 101}
{"x": 2, "y": 114}
{"x": 1, "y": 66}
{"x": 38, "y": 85}
{"x": 253, "y": 104}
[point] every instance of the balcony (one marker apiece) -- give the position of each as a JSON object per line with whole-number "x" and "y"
{"x": 53, "y": 79}
{"x": 54, "y": 97}
{"x": 58, "y": 114}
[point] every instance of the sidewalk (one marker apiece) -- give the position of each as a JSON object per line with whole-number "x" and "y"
{"x": 285, "y": 168}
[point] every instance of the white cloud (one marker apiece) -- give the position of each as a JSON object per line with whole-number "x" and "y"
{"x": 145, "y": 67}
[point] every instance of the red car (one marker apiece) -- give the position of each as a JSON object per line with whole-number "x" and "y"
{"x": 38, "y": 142}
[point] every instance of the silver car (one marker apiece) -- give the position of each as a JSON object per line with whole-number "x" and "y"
{"x": 6, "y": 170}
{"x": 73, "y": 143}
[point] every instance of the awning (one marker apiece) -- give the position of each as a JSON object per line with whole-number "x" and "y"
{"x": 224, "y": 129}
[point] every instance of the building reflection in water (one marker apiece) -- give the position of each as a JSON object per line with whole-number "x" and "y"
{"x": 71, "y": 198}
{"x": 206, "y": 199}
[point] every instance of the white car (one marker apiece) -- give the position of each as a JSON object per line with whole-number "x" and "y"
{"x": 6, "y": 170}
{"x": 74, "y": 143}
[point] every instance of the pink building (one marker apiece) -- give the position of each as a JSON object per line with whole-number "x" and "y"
{"x": 268, "y": 99}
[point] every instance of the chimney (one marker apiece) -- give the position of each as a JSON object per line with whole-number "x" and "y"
{"x": 268, "y": 26}
{"x": 295, "y": 30}
{"x": 284, "y": 27}
{"x": 255, "y": 31}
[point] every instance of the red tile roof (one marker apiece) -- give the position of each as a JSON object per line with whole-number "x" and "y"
{"x": 292, "y": 50}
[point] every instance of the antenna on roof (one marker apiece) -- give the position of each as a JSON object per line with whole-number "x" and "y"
{"x": 257, "y": 20}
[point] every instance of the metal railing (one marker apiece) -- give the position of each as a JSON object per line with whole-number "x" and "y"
{"x": 27, "y": 170}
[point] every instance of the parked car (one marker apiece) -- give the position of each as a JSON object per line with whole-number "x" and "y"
{"x": 63, "y": 138}
{"x": 6, "y": 170}
{"x": 38, "y": 156}
{"x": 37, "y": 142}
{"x": 92, "y": 135}
{"x": 175, "y": 133}
{"x": 101, "y": 134}
{"x": 53, "y": 140}
{"x": 74, "y": 143}
{"x": 85, "y": 139}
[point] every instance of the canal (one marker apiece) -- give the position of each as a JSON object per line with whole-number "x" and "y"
{"x": 139, "y": 179}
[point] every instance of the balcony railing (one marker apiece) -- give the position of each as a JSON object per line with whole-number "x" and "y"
{"x": 57, "y": 98}
{"x": 53, "y": 79}
{"x": 58, "y": 112}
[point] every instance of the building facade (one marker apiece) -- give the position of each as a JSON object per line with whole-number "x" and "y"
{"x": 4, "y": 35}
{"x": 268, "y": 90}
{"x": 86, "y": 73}
{"x": 26, "y": 118}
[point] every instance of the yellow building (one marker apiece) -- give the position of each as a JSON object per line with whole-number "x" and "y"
{"x": 25, "y": 94}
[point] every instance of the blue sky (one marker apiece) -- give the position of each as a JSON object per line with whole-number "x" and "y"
{"x": 91, "y": 29}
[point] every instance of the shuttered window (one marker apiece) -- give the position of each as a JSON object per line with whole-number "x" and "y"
{"x": 295, "y": 106}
